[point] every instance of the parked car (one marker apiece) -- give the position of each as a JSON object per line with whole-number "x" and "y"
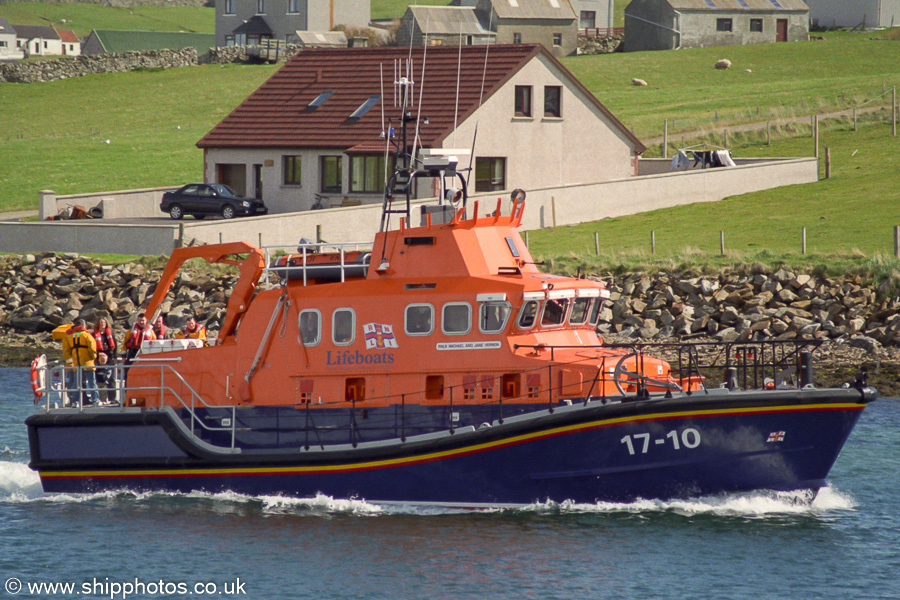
{"x": 202, "y": 199}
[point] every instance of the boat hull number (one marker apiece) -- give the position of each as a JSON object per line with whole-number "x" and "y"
{"x": 640, "y": 443}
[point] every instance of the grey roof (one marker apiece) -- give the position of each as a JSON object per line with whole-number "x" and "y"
{"x": 322, "y": 39}
{"x": 738, "y": 5}
{"x": 533, "y": 9}
{"x": 5, "y": 27}
{"x": 448, "y": 20}
{"x": 30, "y": 32}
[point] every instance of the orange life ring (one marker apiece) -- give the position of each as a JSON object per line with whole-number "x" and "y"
{"x": 38, "y": 377}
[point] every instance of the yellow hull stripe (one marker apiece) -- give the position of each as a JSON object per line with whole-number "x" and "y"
{"x": 432, "y": 456}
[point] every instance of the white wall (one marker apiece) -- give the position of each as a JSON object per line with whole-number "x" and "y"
{"x": 850, "y": 13}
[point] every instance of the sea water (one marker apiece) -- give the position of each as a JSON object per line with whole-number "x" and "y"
{"x": 844, "y": 544}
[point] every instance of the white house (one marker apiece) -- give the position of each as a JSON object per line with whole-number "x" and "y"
{"x": 9, "y": 49}
{"x": 316, "y": 127}
{"x": 854, "y": 13}
{"x": 38, "y": 40}
{"x": 71, "y": 45}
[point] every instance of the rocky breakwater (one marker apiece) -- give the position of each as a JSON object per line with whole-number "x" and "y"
{"x": 39, "y": 293}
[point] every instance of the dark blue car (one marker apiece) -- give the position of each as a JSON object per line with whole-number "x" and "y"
{"x": 202, "y": 199}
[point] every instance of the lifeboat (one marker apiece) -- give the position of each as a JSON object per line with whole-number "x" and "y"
{"x": 438, "y": 365}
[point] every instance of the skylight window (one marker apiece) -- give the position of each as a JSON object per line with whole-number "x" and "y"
{"x": 365, "y": 107}
{"x": 319, "y": 100}
{"x": 743, "y": 3}
{"x": 710, "y": 3}
{"x": 775, "y": 2}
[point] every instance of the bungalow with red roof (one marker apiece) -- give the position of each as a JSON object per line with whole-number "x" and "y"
{"x": 71, "y": 45}
{"x": 318, "y": 125}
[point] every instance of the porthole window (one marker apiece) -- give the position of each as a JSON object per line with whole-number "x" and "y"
{"x": 528, "y": 314}
{"x": 580, "y": 311}
{"x": 554, "y": 312}
{"x": 456, "y": 318}
{"x": 343, "y": 326}
{"x": 310, "y": 325}
{"x": 492, "y": 316}
{"x": 419, "y": 319}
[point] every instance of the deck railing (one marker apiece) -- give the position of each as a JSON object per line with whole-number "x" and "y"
{"x": 299, "y": 262}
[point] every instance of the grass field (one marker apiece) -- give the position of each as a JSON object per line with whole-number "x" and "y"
{"x": 82, "y": 18}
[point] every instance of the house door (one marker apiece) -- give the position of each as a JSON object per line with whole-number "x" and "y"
{"x": 234, "y": 176}
{"x": 258, "y": 181}
{"x": 781, "y": 30}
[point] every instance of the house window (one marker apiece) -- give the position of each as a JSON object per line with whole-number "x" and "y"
{"x": 260, "y": 7}
{"x": 588, "y": 19}
{"x": 229, "y": 7}
{"x": 293, "y": 6}
{"x": 367, "y": 174}
{"x": 490, "y": 174}
{"x": 723, "y": 24}
{"x": 552, "y": 101}
{"x": 229, "y": 40}
{"x": 292, "y": 170}
{"x": 517, "y": 38}
{"x": 523, "y": 101}
{"x": 557, "y": 39}
{"x": 3, "y": 44}
{"x": 331, "y": 173}
{"x": 342, "y": 326}
{"x": 756, "y": 25}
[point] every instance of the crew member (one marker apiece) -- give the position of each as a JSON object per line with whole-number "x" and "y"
{"x": 140, "y": 332}
{"x": 80, "y": 350}
{"x": 193, "y": 330}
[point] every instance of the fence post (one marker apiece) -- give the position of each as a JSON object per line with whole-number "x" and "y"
{"x": 722, "y": 243}
{"x": 525, "y": 236}
{"x": 596, "y": 243}
{"x": 816, "y": 136}
{"x": 319, "y": 234}
{"x": 854, "y": 119}
{"x": 652, "y": 242}
{"x": 768, "y": 136}
{"x": 827, "y": 162}
{"x": 894, "y": 111}
{"x": 803, "y": 241}
{"x": 896, "y": 241}
{"x": 553, "y": 207}
{"x": 725, "y": 139}
{"x": 665, "y": 147}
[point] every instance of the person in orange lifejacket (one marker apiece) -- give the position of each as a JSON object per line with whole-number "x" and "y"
{"x": 106, "y": 341}
{"x": 159, "y": 328}
{"x": 193, "y": 330}
{"x": 79, "y": 351}
{"x": 141, "y": 332}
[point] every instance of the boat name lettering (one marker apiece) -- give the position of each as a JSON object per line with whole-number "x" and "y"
{"x": 468, "y": 345}
{"x": 355, "y": 357}
{"x": 640, "y": 443}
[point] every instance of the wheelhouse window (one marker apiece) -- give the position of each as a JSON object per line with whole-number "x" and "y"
{"x": 292, "y": 166}
{"x": 419, "y": 319}
{"x": 552, "y": 101}
{"x": 723, "y": 24}
{"x": 490, "y": 174}
{"x": 367, "y": 174}
{"x": 331, "y": 173}
{"x": 554, "y": 312}
{"x": 587, "y": 19}
{"x": 580, "y": 310}
{"x": 492, "y": 317}
{"x": 528, "y": 314}
{"x": 343, "y": 330}
{"x": 595, "y": 312}
{"x": 756, "y": 25}
{"x": 310, "y": 324}
{"x": 229, "y": 7}
{"x": 456, "y": 318}
{"x": 523, "y": 101}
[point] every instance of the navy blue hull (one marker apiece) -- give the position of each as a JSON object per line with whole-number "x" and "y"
{"x": 651, "y": 449}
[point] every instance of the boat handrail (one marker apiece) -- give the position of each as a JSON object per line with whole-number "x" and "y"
{"x": 306, "y": 270}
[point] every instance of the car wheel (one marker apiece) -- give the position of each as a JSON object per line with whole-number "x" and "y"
{"x": 176, "y": 212}
{"x": 228, "y": 212}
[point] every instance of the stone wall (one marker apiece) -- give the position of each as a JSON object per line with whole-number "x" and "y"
{"x": 248, "y": 54}
{"x": 600, "y": 44}
{"x": 77, "y": 66}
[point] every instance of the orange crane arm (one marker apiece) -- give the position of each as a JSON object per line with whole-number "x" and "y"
{"x": 250, "y": 270}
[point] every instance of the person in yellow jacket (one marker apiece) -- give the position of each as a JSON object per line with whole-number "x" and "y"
{"x": 79, "y": 352}
{"x": 193, "y": 330}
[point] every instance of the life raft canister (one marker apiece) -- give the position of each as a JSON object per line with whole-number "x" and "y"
{"x": 39, "y": 376}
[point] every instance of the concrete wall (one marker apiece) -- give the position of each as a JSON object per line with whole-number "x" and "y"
{"x": 548, "y": 206}
{"x": 603, "y": 9}
{"x": 124, "y": 204}
{"x": 845, "y": 13}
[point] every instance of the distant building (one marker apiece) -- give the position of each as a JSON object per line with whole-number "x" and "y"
{"x": 320, "y": 39}
{"x": 71, "y": 45}
{"x": 552, "y": 23}
{"x": 247, "y": 22}
{"x": 442, "y": 26}
{"x": 317, "y": 126}
{"x": 854, "y": 13}
{"x": 38, "y": 40}
{"x": 671, "y": 24}
{"x": 9, "y": 48}
{"x": 109, "y": 41}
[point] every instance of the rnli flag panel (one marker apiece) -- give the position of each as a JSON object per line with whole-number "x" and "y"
{"x": 379, "y": 336}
